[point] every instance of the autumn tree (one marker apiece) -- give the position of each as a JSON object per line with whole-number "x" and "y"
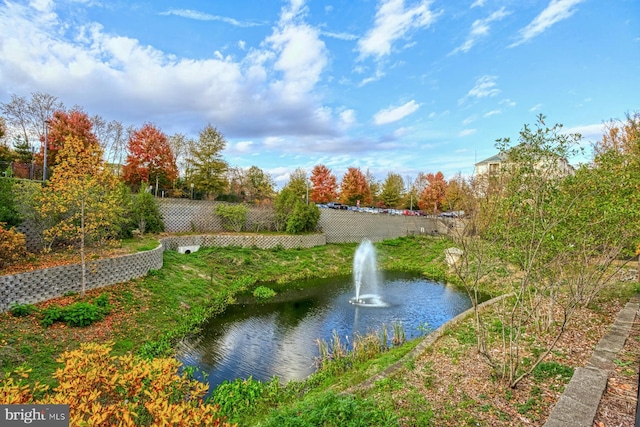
{"x": 324, "y": 185}
{"x": 62, "y": 125}
{"x": 354, "y": 188}
{"x": 375, "y": 187}
{"x": 83, "y": 197}
{"x": 150, "y": 159}
{"x": 259, "y": 185}
{"x": 392, "y": 191}
{"x": 433, "y": 195}
{"x": 206, "y": 168}
{"x": 458, "y": 195}
{"x": 298, "y": 184}
{"x": 621, "y": 136}
{"x": 249, "y": 185}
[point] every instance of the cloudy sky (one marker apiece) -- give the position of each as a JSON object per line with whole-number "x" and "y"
{"x": 401, "y": 86}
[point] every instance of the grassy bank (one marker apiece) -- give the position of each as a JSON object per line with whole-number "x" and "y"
{"x": 148, "y": 316}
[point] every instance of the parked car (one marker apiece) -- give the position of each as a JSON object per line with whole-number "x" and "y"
{"x": 336, "y": 205}
{"x": 452, "y": 214}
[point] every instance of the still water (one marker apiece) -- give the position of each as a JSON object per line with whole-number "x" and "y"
{"x": 279, "y": 337}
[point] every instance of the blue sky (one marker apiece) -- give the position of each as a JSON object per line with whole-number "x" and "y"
{"x": 403, "y": 86}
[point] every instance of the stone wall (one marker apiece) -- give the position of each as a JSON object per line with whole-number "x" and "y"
{"x": 188, "y": 216}
{"x": 342, "y": 226}
{"x": 260, "y": 241}
{"x": 339, "y": 226}
{"x": 40, "y": 285}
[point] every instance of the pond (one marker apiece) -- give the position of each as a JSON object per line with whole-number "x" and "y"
{"x": 279, "y": 337}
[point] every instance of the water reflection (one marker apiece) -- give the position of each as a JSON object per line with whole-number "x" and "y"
{"x": 279, "y": 338}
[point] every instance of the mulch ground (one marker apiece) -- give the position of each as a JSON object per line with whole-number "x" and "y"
{"x": 460, "y": 388}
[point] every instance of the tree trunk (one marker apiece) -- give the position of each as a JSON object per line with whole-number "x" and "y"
{"x": 82, "y": 258}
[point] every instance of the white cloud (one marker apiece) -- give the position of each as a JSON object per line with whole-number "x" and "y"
{"x": 469, "y": 120}
{"x": 340, "y": 36}
{"x": 393, "y": 114}
{"x": 467, "y": 132}
{"x": 535, "y": 108}
{"x": 485, "y": 87}
{"x": 392, "y": 23}
{"x": 242, "y": 147}
{"x": 201, "y": 16}
{"x": 477, "y": 3}
{"x": 271, "y": 90}
{"x": 507, "y": 102}
{"x": 491, "y": 113}
{"x": 479, "y": 29}
{"x": 590, "y": 133}
{"x": 556, "y": 11}
{"x": 302, "y": 56}
{"x": 348, "y": 118}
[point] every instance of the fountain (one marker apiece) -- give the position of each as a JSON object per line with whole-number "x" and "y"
{"x": 365, "y": 277}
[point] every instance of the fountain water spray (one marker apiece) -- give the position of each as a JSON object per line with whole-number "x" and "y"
{"x": 365, "y": 276}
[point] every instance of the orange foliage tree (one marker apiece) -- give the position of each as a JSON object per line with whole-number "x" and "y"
{"x": 150, "y": 158}
{"x": 126, "y": 390}
{"x": 325, "y": 185}
{"x": 63, "y": 125}
{"x": 354, "y": 188}
{"x": 433, "y": 196}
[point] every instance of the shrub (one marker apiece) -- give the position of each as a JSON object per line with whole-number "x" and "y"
{"x": 13, "y": 245}
{"x": 125, "y": 390}
{"x": 21, "y": 310}
{"x": 8, "y": 206}
{"x": 239, "y": 396}
{"x": 81, "y": 314}
{"x": 51, "y": 315}
{"x": 147, "y": 213}
{"x": 234, "y": 217}
{"x": 303, "y": 218}
{"x": 263, "y": 293}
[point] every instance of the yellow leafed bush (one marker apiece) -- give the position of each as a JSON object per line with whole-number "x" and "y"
{"x": 102, "y": 390}
{"x": 12, "y": 245}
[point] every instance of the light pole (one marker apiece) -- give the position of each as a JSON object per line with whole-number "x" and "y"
{"x": 46, "y": 143}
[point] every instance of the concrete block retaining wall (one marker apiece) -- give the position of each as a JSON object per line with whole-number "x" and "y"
{"x": 341, "y": 226}
{"x": 40, "y": 285}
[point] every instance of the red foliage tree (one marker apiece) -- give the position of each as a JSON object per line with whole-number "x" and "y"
{"x": 354, "y": 188}
{"x": 150, "y": 158}
{"x": 434, "y": 193}
{"x": 325, "y": 185}
{"x": 63, "y": 125}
